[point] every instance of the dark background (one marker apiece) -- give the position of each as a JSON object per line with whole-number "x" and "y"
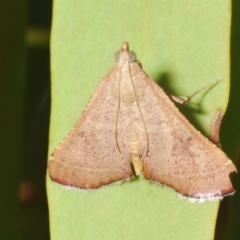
{"x": 24, "y": 122}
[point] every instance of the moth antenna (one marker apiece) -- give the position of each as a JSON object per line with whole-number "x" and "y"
{"x": 139, "y": 108}
{"x": 118, "y": 108}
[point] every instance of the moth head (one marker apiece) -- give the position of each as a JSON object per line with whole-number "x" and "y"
{"x": 130, "y": 56}
{"x": 125, "y": 55}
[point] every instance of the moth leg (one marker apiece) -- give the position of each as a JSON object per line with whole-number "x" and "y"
{"x": 185, "y": 100}
{"x": 136, "y": 163}
{"x": 215, "y": 128}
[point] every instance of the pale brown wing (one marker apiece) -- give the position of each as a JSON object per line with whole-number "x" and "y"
{"x": 179, "y": 155}
{"x": 88, "y": 157}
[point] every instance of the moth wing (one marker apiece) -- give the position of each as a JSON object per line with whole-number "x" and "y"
{"x": 88, "y": 157}
{"x": 179, "y": 155}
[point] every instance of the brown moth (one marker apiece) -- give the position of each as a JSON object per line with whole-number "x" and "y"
{"x": 131, "y": 127}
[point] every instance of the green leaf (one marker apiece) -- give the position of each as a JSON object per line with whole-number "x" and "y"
{"x": 184, "y": 45}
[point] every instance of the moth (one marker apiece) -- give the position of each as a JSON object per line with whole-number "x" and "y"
{"x": 131, "y": 127}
